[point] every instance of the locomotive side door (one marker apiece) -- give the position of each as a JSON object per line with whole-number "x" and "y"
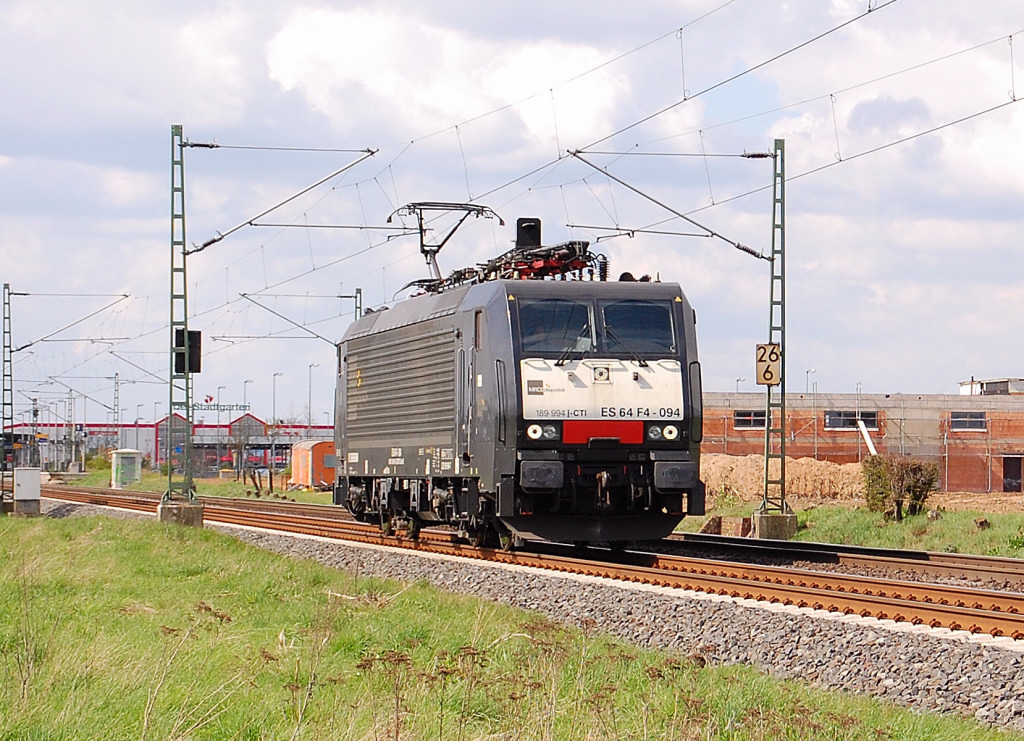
{"x": 477, "y": 394}
{"x": 466, "y": 400}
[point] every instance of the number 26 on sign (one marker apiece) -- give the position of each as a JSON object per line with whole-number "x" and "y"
{"x": 769, "y": 365}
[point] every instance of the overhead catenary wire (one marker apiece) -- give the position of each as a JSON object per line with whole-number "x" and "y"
{"x": 123, "y": 296}
{"x": 215, "y": 145}
{"x": 69, "y": 295}
{"x": 540, "y": 169}
{"x": 93, "y": 340}
{"x": 81, "y": 393}
{"x": 290, "y": 321}
{"x": 221, "y": 235}
{"x": 356, "y": 227}
{"x": 720, "y": 201}
{"x": 744, "y": 72}
{"x": 678, "y": 103}
{"x": 711, "y": 232}
{"x": 858, "y": 155}
{"x": 625, "y": 232}
{"x": 573, "y": 78}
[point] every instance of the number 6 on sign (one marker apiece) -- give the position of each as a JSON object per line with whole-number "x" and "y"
{"x": 769, "y": 365}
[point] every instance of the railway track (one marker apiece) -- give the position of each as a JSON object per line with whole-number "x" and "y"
{"x": 993, "y": 612}
{"x": 953, "y": 565}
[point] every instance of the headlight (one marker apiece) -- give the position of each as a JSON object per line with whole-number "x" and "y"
{"x": 671, "y": 432}
{"x": 550, "y": 432}
{"x": 654, "y": 432}
{"x": 534, "y": 432}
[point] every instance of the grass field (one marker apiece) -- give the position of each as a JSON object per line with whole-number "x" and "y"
{"x": 125, "y": 629}
{"x": 954, "y": 531}
{"x": 226, "y": 487}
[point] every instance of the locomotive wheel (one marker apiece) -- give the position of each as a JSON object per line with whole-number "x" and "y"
{"x": 412, "y": 529}
{"x": 387, "y": 526}
{"x": 476, "y": 532}
{"x": 506, "y": 540}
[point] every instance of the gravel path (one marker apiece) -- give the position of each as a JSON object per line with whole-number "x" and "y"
{"x": 915, "y": 667}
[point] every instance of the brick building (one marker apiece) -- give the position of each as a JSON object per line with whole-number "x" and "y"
{"x": 977, "y": 439}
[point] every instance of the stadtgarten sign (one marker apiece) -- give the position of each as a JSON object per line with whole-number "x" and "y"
{"x": 196, "y": 406}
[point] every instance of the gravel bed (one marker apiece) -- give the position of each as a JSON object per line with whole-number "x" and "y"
{"x": 923, "y": 669}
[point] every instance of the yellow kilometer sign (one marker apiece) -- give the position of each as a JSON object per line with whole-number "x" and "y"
{"x": 769, "y": 365}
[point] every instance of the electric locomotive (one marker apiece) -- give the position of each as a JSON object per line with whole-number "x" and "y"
{"x": 512, "y": 406}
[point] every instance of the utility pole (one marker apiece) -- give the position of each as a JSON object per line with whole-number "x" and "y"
{"x": 7, "y": 443}
{"x": 309, "y": 402}
{"x": 180, "y": 390}
{"x": 774, "y": 499}
{"x": 774, "y": 519}
{"x": 33, "y": 455}
{"x": 358, "y": 299}
{"x": 184, "y": 358}
{"x": 117, "y": 406}
{"x": 273, "y": 428}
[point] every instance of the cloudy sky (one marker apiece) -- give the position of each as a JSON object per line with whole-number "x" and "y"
{"x": 904, "y": 165}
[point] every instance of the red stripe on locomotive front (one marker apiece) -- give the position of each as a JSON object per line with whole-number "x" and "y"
{"x": 583, "y": 431}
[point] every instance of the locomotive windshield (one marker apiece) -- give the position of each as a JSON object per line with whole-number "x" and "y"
{"x": 556, "y": 325}
{"x": 638, "y": 326}
{"x": 626, "y": 326}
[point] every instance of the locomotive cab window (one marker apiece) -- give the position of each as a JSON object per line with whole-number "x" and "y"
{"x": 555, "y": 325}
{"x": 638, "y": 326}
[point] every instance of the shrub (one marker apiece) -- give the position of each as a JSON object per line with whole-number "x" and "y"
{"x": 877, "y": 492}
{"x": 891, "y": 480}
{"x": 98, "y": 462}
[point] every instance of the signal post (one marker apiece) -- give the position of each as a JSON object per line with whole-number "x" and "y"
{"x": 774, "y": 519}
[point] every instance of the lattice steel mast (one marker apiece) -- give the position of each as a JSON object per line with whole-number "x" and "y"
{"x": 180, "y": 386}
{"x": 7, "y": 464}
{"x": 775, "y": 409}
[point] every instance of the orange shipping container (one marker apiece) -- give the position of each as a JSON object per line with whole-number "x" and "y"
{"x": 308, "y": 469}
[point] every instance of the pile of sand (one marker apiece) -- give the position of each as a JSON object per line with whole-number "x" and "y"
{"x": 742, "y": 478}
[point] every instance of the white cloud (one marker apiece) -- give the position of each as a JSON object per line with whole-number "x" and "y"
{"x": 413, "y": 78}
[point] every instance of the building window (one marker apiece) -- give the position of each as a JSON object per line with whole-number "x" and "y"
{"x": 847, "y": 420}
{"x": 968, "y": 421}
{"x": 749, "y": 419}
{"x": 994, "y": 388}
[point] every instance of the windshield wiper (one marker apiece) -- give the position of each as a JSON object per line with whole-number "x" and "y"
{"x": 571, "y": 348}
{"x": 633, "y": 354}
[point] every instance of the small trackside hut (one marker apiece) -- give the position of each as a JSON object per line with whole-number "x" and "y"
{"x": 512, "y": 405}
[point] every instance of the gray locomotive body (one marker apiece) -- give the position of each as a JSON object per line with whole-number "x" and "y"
{"x": 537, "y": 409}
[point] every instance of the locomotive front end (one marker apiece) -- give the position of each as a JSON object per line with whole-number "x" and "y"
{"x": 609, "y": 414}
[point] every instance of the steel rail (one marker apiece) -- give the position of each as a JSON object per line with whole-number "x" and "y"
{"x": 958, "y": 565}
{"x": 930, "y": 593}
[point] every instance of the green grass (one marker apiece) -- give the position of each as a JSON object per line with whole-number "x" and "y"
{"x": 953, "y": 532}
{"x": 227, "y": 487}
{"x": 114, "y": 629}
